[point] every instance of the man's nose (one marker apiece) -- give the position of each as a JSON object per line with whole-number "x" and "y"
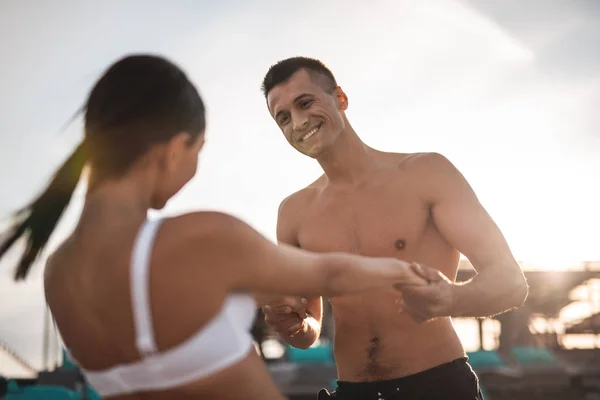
{"x": 300, "y": 121}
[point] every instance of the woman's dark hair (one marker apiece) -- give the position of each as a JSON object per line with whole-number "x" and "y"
{"x": 140, "y": 101}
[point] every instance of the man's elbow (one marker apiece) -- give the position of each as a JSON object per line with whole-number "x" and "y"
{"x": 518, "y": 289}
{"x": 523, "y": 291}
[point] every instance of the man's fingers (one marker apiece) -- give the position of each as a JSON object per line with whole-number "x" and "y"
{"x": 294, "y": 328}
{"x": 283, "y": 310}
{"x": 283, "y": 321}
{"x": 286, "y": 315}
{"x": 269, "y": 319}
{"x": 275, "y": 318}
{"x": 419, "y": 270}
{"x": 410, "y": 287}
{"x": 279, "y": 309}
{"x": 298, "y": 304}
{"x": 430, "y": 274}
{"x": 412, "y": 290}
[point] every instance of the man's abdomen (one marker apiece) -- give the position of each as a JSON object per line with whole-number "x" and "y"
{"x": 374, "y": 342}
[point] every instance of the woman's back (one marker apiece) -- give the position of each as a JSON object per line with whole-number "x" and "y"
{"x": 88, "y": 288}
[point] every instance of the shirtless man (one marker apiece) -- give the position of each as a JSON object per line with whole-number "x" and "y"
{"x": 417, "y": 207}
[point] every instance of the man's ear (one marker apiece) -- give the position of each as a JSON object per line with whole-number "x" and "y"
{"x": 342, "y": 99}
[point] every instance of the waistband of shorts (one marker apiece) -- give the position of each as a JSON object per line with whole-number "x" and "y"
{"x": 420, "y": 378}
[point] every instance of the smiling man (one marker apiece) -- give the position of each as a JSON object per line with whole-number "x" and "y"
{"x": 416, "y": 207}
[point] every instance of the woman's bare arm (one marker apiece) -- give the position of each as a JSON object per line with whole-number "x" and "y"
{"x": 252, "y": 263}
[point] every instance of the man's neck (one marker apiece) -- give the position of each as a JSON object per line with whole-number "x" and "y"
{"x": 348, "y": 160}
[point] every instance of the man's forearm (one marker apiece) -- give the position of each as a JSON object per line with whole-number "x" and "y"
{"x": 495, "y": 290}
{"x": 306, "y": 336}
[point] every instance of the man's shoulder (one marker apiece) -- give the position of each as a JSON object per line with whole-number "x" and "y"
{"x": 421, "y": 159}
{"x": 293, "y": 209}
{"x": 301, "y": 198}
{"x": 431, "y": 176}
{"x": 422, "y": 163}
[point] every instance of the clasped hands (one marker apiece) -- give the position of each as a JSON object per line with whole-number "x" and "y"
{"x": 423, "y": 303}
{"x": 287, "y": 314}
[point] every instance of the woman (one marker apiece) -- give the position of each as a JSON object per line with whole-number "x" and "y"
{"x": 161, "y": 309}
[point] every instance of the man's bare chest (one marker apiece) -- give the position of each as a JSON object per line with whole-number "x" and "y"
{"x": 380, "y": 221}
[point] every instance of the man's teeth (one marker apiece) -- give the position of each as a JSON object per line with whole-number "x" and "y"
{"x": 309, "y": 134}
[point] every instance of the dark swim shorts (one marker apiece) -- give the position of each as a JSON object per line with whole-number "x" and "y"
{"x": 455, "y": 380}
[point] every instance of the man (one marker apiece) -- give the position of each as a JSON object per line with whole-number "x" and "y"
{"x": 417, "y": 207}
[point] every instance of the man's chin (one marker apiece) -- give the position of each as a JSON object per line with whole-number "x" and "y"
{"x": 313, "y": 153}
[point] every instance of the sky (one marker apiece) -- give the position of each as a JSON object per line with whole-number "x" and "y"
{"x": 506, "y": 90}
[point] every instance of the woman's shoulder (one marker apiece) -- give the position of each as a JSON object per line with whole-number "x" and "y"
{"x": 203, "y": 224}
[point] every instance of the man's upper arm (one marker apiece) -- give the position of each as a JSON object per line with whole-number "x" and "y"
{"x": 460, "y": 217}
{"x": 287, "y": 232}
{"x": 286, "y": 227}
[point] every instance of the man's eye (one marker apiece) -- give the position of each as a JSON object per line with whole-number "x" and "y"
{"x": 306, "y": 103}
{"x": 283, "y": 120}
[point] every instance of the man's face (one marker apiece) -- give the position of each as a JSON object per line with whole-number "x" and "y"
{"x": 309, "y": 117}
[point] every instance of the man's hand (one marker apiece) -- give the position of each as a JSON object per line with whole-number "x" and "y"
{"x": 426, "y": 302}
{"x": 286, "y": 315}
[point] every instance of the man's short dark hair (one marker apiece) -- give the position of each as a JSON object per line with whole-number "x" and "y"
{"x": 284, "y": 69}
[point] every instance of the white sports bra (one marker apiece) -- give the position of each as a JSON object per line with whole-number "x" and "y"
{"x": 224, "y": 341}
